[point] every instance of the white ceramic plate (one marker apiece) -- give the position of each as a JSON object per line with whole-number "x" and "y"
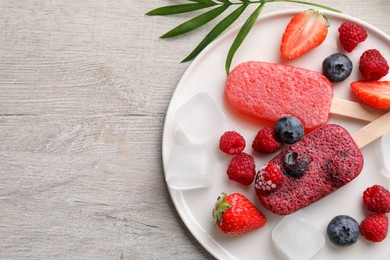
{"x": 207, "y": 74}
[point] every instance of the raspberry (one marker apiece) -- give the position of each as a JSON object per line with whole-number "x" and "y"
{"x": 377, "y": 199}
{"x": 351, "y": 34}
{"x": 375, "y": 227}
{"x": 242, "y": 169}
{"x": 373, "y": 65}
{"x": 231, "y": 143}
{"x": 265, "y": 141}
{"x": 268, "y": 178}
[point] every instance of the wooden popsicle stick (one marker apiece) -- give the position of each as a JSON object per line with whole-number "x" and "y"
{"x": 355, "y": 110}
{"x": 372, "y": 131}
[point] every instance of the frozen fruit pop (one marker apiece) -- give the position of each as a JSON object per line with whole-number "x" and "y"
{"x": 269, "y": 91}
{"x": 319, "y": 164}
{"x": 327, "y": 159}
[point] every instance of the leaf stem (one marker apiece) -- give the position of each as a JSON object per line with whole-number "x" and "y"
{"x": 305, "y": 3}
{"x": 287, "y": 1}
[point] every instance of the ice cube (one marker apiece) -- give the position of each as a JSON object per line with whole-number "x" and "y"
{"x": 200, "y": 119}
{"x": 180, "y": 139}
{"x": 188, "y": 167}
{"x": 297, "y": 237}
{"x": 384, "y": 154}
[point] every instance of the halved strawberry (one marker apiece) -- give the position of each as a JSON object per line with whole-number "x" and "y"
{"x": 305, "y": 31}
{"x": 373, "y": 93}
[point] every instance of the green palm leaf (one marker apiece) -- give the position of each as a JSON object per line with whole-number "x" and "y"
{"x": 224, "y": 1}
{"x": 216, "y": 31}
{"x": 242, "y": 35}
{"x": 196, "y": 22}
{"x": 203, "y": 1}
{"x": 178, "y": 9}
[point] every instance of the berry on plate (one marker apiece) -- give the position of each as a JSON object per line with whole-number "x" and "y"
{"x": 337, "y": 67}
{"x": 373, "y": 93}
{"x": 231, "y": 143}
{"x": 377, "y": 199}
{"x": 268, "y": 178}
{"x": 234, "y": 214}
{"x": 289, "y": 129}
{"x": 295, "y": 165}
{"x": 351, "y": 34}
{"x": 375, "y": 227}
{"x": 373, "y": 65}
{"x": 343, "y": 230}
{"x": 265, "y": 141}
{"x": 242, "y": 169}
{"x": 305, "y": 31}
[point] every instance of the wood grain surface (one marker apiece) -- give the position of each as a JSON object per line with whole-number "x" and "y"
{"x": 84, "y": 88}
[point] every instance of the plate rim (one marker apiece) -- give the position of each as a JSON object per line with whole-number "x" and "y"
{"x": 185, "y": 216}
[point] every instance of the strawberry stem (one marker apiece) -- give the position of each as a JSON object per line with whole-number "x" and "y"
{"x": 220, "y": 207}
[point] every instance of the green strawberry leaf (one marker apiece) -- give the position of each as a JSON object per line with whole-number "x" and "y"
{"x": 220, "y": 207}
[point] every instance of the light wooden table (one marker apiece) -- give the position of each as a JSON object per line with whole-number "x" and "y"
{"x": 84, "y": 87}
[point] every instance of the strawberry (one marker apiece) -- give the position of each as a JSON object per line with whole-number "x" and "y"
{"x": 234, "y": 214}
{"x": 305, "y": 31}
{"x": 373, "y": 93}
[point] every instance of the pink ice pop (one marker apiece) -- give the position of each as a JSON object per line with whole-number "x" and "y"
{"x": 269, "y": 91}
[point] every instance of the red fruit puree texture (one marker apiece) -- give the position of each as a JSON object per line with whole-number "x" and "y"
{"x": 269, "y": 91}
{"x": 334, "y": 160}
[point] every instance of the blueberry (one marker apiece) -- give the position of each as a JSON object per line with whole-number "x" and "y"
{"x": 295, "y": 165}
{"x": 288, "y": 129}
{"x": 337, "y": 67}
{"x": 343, "y": 230}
